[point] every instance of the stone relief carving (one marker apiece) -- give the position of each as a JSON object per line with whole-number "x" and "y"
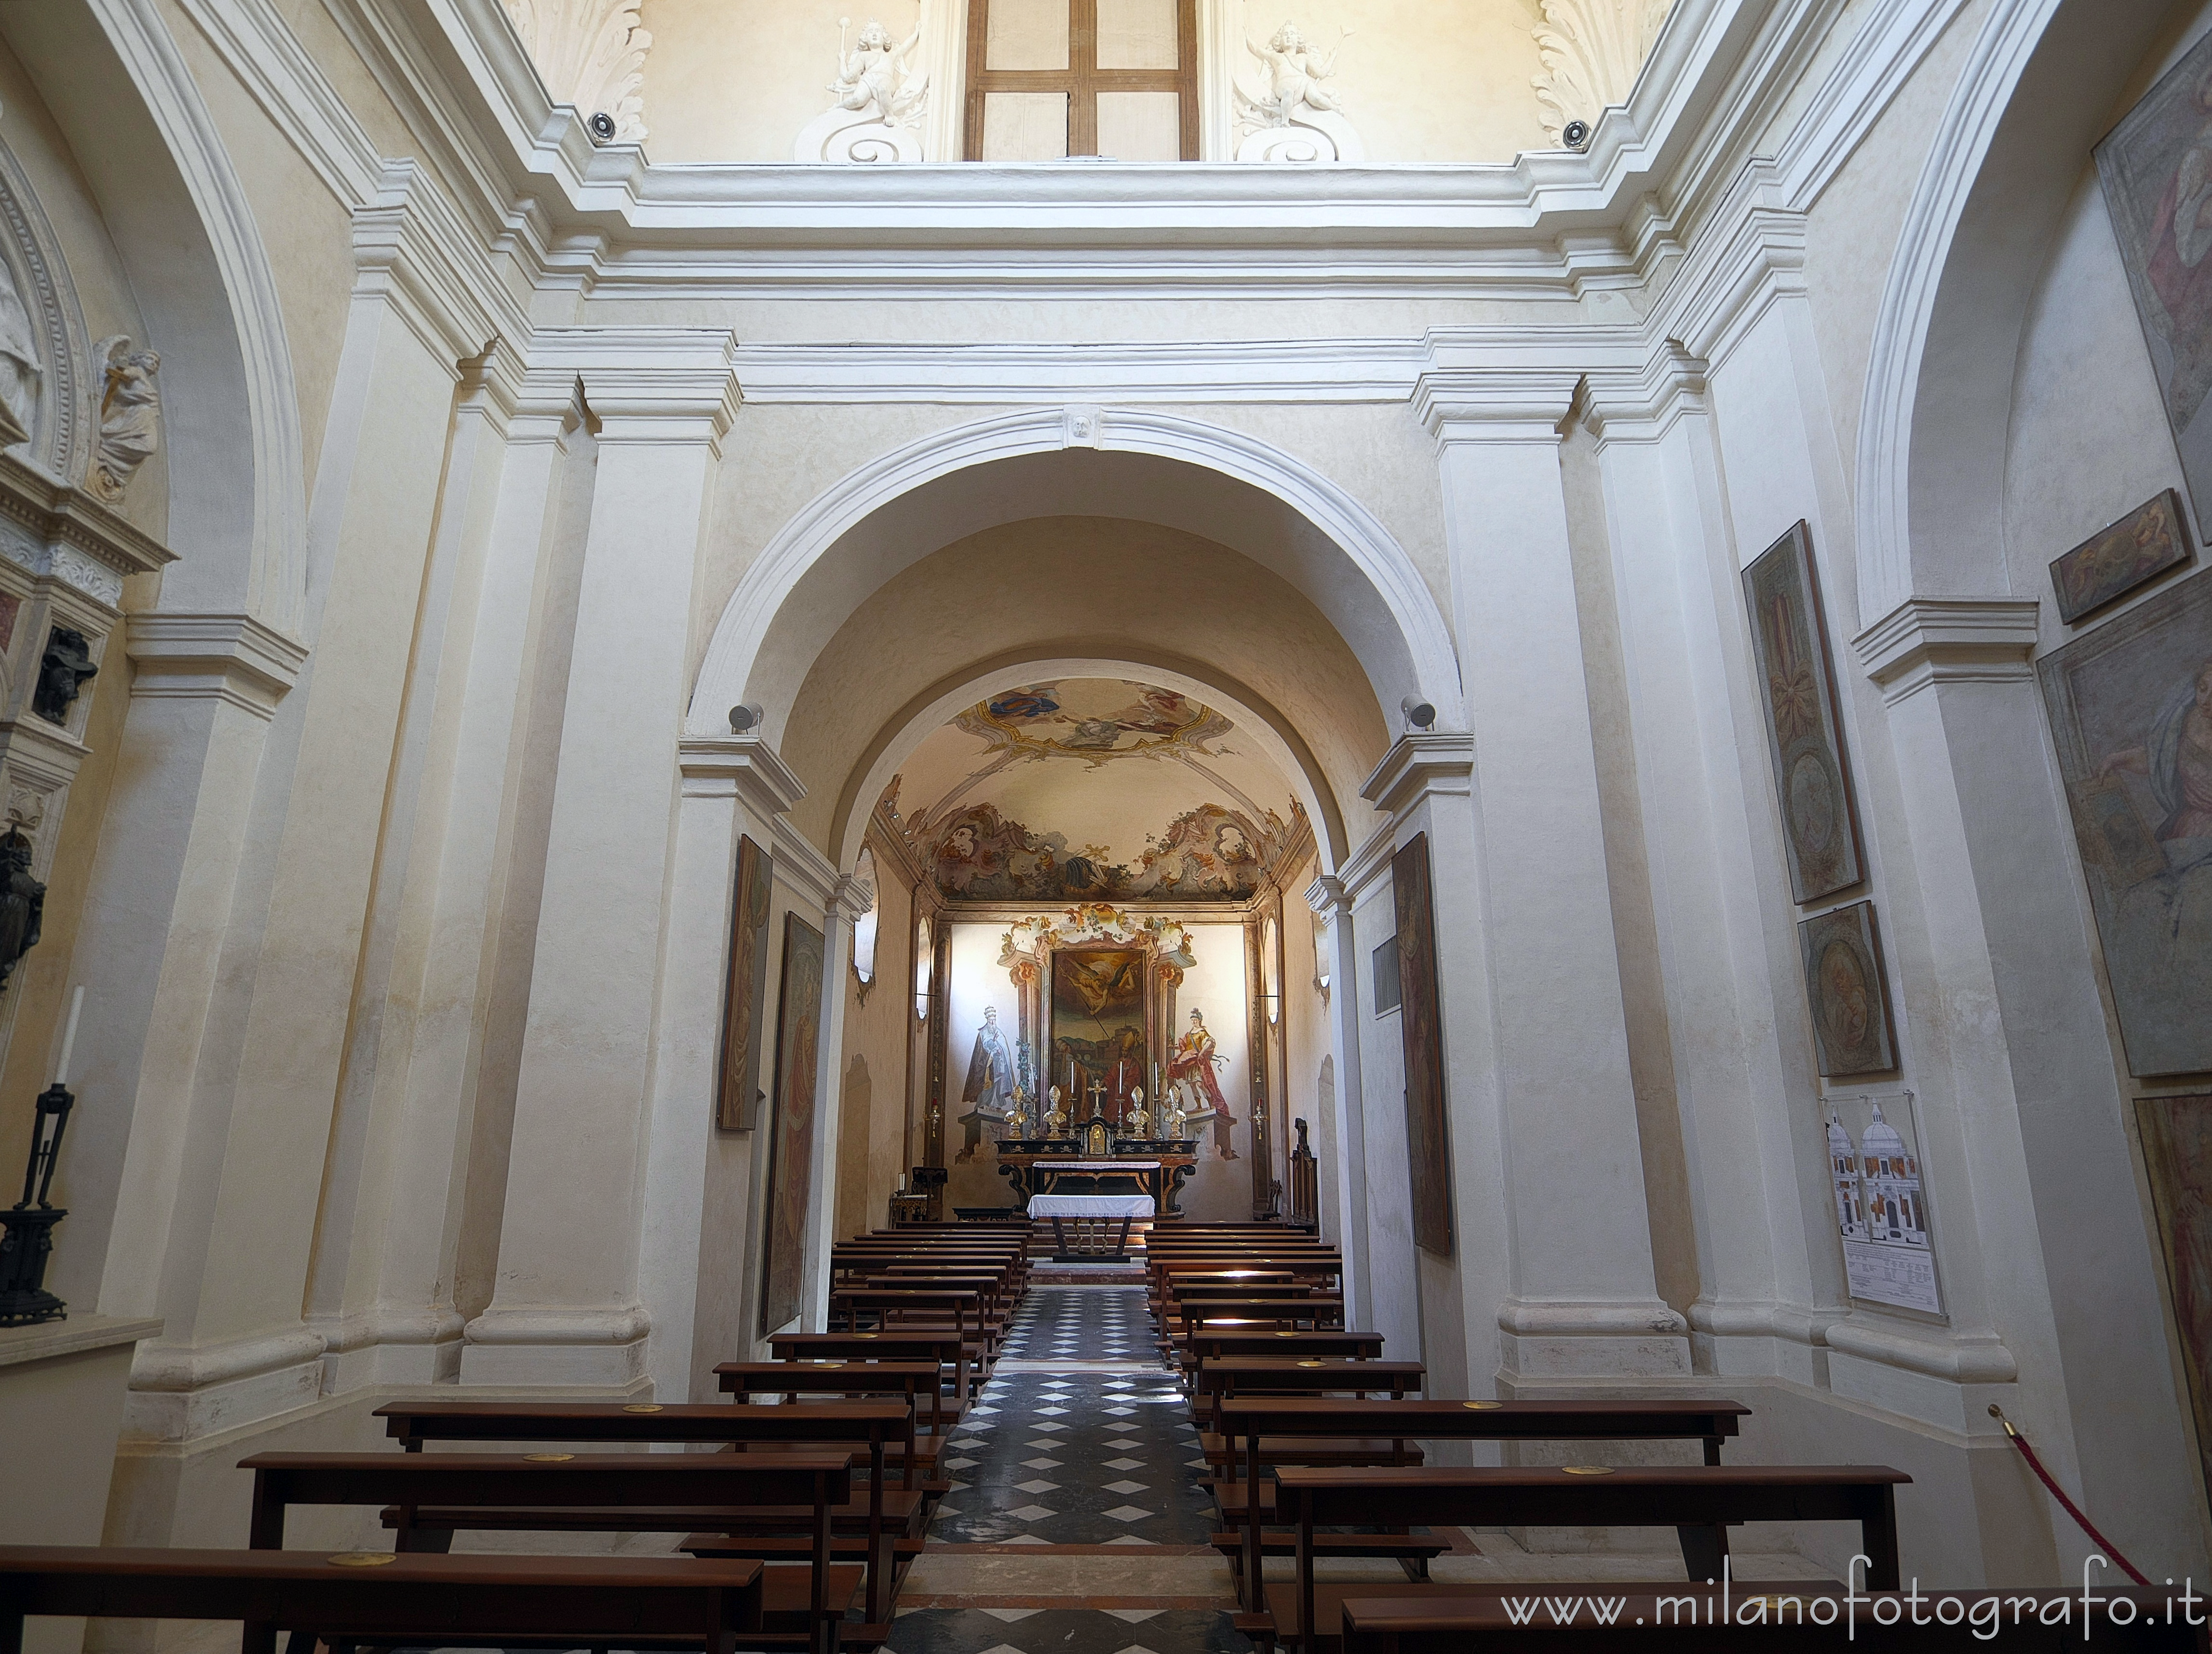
{"x": 591, "y": 54}
{"x": 21, "y": 371}
{"x": 22, "y": 902}
{"x": 1592, "y": 51}
{"x": 130, "y": 415}
{"x": 879, "y": 101}
{"x": 62, "y": 674}
{"x": 1297, "y": 119}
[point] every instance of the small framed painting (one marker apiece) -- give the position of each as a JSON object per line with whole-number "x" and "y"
{"x": 1420, "y": 1026}
{"x": 2120, "y": 557}
{"x": 737, "y": 1101}
{"x": 1849, "y": 992}
{"x": 1805, "y": 736}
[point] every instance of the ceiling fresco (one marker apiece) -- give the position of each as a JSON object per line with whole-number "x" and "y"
{"x": 1088, "y": 787}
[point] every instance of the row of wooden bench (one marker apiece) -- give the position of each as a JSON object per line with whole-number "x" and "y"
{"x": 1313, "y": 1449}
{"x": 810, "y": 1509}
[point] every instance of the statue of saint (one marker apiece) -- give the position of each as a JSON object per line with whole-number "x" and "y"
{"x": 20, "y": 368}
{"x": 130, "y": 415}
{"x": 1056, "y": 1122}
{"x": 872, "y": 78}
{"x": 1194, "y": 1062}
{"x": 990, "y": 1086}
{"x": 1137, "y": 1122}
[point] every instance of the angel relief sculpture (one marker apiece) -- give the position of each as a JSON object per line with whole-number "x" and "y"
{"x": 879, "y": 101}
{"x": 1298, "y": 118}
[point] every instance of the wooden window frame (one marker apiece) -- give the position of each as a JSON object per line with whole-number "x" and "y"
{"x": 1082, "y": 80}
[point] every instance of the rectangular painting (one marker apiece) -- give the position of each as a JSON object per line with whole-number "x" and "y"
{"x": 2131, "y": 708}
{"x": 1805, "y": 736}
{"x": 737, "y": 1105}
{"x": 1420, "y": 1026}
{"x": 2153, "y": 168}
{"x": 2177, "y": 1141}
{"x": 1849, "y": 992}
{"x": 2120, "y": 557}
{"x": 1882, "y": 1202}
{"x": 1099, "y": 1028}
{"x": 791, "y": 1147}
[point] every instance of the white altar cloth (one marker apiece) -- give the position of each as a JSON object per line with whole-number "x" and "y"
{"x": 1091, "y": 1206}
{"x": 1050, "y": 1164}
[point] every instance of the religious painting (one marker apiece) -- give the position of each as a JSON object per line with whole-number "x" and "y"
{"x": 2130, "y": 705}
{"x": 2177, "y": 1142}
{"x": 1849, "y": 991}
{"x": 1098, "y": 1034}
{"x": 1209, "y": 852}
{"x": 1194, "y": 1084}
{"x": 744, "y": 991}
{"x": 2156, "y": 169}
{"x": 2117, "y": 558}
{"x": 988, "y": 1093}
{"x": 1805, "y": 736}
{"x": 1882, "y": 1202}
{"x": 1420, "y": 1025}
{"x": 790, "y": 1150}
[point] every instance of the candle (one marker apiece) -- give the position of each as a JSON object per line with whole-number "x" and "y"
{"x": 68, "y": 1034}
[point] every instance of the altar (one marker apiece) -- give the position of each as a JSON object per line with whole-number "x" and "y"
{"x": 1052, "y": 1165}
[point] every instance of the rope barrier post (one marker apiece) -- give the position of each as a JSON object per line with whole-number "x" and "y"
{"x": 2059, "y": 1493}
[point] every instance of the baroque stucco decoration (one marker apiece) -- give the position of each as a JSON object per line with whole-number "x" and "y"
{"x": 1297, "y": 119}
{"x": 1592, "y": 50}
{"x": 879, "y": 101}
{"x": 590, "y": 53}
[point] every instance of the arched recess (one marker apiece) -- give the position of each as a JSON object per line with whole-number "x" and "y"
{"x": 1256, "y": 721}
{"x": 1161, "y": 468}
{"x": 2035, "y": 94}
{"x": 179, "y": 217}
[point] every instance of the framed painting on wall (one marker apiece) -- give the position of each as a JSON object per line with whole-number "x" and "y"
{"x": 2155, "y": 167}
{"x": 1805, "y": 736}
{"x": 2120, "y": 557}
{"x": 1849, "y": 992}
{"x": 737, "y": 1101}
{"x": 791, "y": 1148}
{"x": 2177, "y": 1143}
{"x": 2130, "y": 705}
{"x": 1101, "y": 1027}
{"x": 1420, "y": 1026}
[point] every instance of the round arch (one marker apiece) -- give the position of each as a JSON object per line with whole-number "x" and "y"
{"x": 940, "y": 704}
{"x": 1206, "y": 480}
{"x": 2032, "y": 99}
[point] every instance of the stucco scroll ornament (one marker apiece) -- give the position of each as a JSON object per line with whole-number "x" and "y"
{"x": 879, "y": 101}
{"x": 590, "y": 53}
{"x": 130, "y": 415}
{"x": 21, "y": 372}
{"x": 1297, "y": 119}
{"x": 1592, "y": 51}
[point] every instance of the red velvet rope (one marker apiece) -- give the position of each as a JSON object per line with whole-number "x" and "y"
{"x": 2073, "y": 1510}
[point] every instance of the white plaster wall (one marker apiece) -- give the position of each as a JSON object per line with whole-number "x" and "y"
{"x": 1395, "y": 1305}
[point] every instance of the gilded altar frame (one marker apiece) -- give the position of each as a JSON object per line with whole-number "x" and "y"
{"x": 1058, "y": 982}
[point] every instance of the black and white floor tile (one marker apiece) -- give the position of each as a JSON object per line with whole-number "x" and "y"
{"x": 1066, "y": 1631}
{"x": 1081, "y": 1324}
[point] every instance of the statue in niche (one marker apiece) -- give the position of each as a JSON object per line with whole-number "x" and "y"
{"x": 21, "y": 372}
{"x": 62, "y": 674}
{"x": 989, "y": 1092}
{"x": 22, "y": 903}
{"x": 1296, "y": 70}
{"x": 130, "y": 415}
{"x": 872, "y": 78}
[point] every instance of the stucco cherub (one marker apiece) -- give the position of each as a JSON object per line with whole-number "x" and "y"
{"x": 1296, "y": 69}
{"x": 873, "y": 78}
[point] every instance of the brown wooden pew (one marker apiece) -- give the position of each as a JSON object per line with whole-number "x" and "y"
{"x": 1246, "y": 1374}
{"x": 897, "y": 1310}
{"x": 1318, "y": 1311}
{"x": 921, "y": 1382}
{"x": 876, "y": 1428}
{"x": 433, "y": 1493}
{"x": 483, "y": 1602}
{"x": 1264, "y": 1430}
{"x": 1699, "y": 1496}
{"x": 947, "y": 1348}
{"x": 1647, "y": 1620}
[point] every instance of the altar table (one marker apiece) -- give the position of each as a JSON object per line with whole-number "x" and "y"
{"x": 1158, "y": 1168}
{"x": 1099, "y": 1209}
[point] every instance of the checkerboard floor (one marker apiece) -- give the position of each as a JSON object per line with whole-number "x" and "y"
{"x": 1081, "y": 1324}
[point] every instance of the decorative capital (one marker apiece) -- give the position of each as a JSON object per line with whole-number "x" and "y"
{"x": 1495, "y": 404}
{"x": 1642, "y": 403}
{"x": 742, "y": 767}
{"x": 649, "y": 384}
{"x": 1328, "y": 897}
{"x": 1927, "y": 641}
{"x": 226, "y": 657}
{"x": 1421, "y": 764}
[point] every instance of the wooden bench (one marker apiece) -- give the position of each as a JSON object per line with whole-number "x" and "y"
{"x": 1701, "y": 1496}
{"x": 1247, "y": 1375}
{"x": 947, "y": 1349}
{"x": 914, "y": 1308}
{"x": 1649, "y": 1619}
{"x": 1264, "y": 1431}
{"x": 922, "y": 1383}
{"x": 876, "y": 1428}
{"x": 482, "y": 1601}
{"x": 433, "y": 1494}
